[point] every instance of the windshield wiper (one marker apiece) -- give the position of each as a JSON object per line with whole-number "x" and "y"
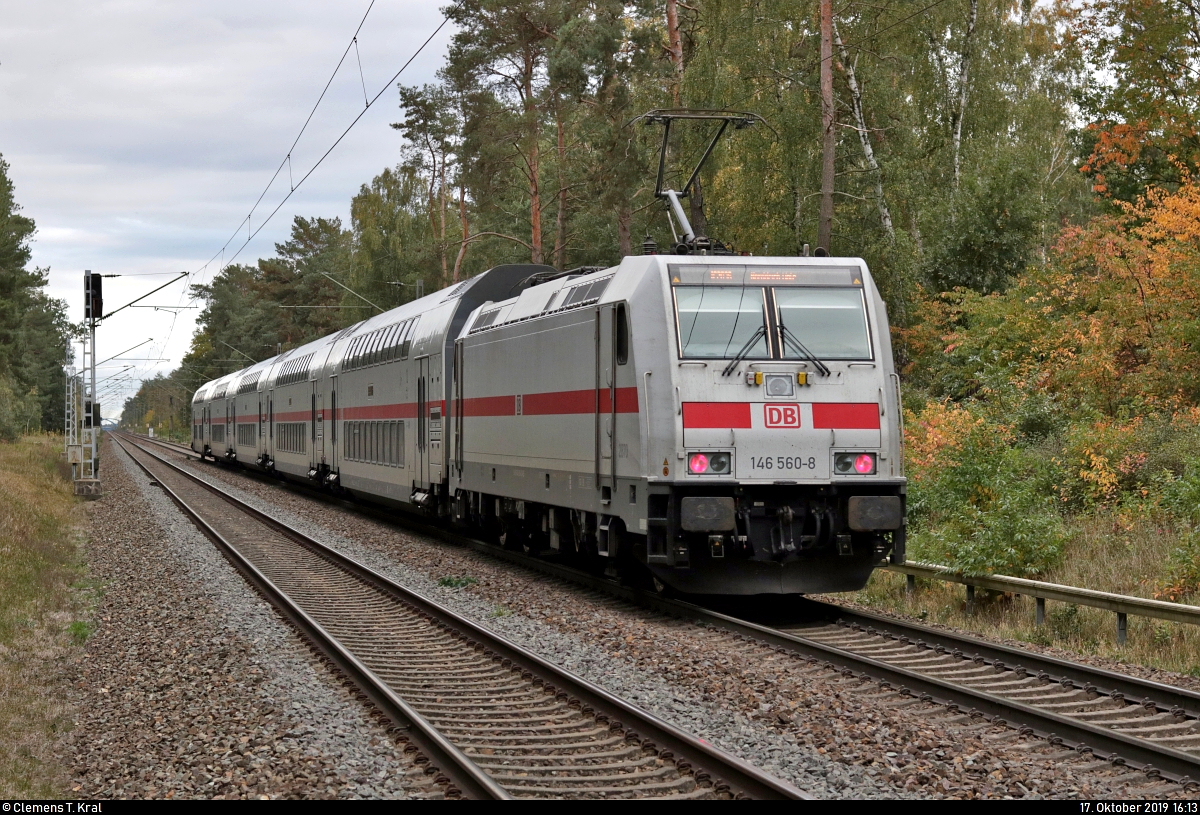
{"x": 799, "y": 348}
{"x": 759, "y": 333}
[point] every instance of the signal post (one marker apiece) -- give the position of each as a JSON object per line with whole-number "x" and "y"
{"x": 82, "y": 416}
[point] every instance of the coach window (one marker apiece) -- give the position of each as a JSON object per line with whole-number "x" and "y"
{"x": 386, "y": 353}
{"x": 372, "y": 354}
{"x": 718, "y": 322}
{"x": 408, "y": 337}
{"x": 400, "y": 337}
{"x": 393, "y": 334}
{"x": 622, "y": 335}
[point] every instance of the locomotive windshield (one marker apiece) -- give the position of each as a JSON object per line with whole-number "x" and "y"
{"x": 832, "y": 323}
{"x": 718, "y": 321}
{"x": 810, "y": 322}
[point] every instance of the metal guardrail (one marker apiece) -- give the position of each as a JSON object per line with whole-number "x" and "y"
{"x": 1120, "y": 604}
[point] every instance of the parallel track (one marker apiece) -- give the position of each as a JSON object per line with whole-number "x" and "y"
{"x": 496, "y": 720}
{"x": 1119, "y": 718}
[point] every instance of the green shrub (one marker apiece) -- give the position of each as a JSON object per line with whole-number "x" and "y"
{"x": 1180, "y": 496}
{"x": 985, "y": 505}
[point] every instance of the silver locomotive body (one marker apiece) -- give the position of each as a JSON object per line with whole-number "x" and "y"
{"x": 731, "y": 427}
{"x": 606, "y": 411}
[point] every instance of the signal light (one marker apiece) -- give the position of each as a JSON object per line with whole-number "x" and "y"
{"x": 854, "y": 464}
{"x": 709, "y": 463}
{"x": 93, "y": 297}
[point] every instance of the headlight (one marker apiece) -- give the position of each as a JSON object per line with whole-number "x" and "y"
{"x": 854, "y": 464}
{"x": 780, "y": 385}
{"x": 709, "y": 463}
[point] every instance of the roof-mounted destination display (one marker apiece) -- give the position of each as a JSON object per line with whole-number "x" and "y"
{"x": 736, "y": 274}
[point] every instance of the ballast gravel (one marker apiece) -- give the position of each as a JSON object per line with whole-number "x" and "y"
{"x": 191, "y": 687}
{"x": 833, "y": 736}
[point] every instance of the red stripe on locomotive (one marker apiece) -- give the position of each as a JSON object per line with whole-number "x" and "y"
{"x": 716, "y": 415}
{"x": 846, "y": 416}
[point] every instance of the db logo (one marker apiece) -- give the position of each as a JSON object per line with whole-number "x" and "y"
{"x": 782, "y": 415}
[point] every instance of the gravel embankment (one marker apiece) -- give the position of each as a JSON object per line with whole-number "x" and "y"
{"x": 192, "y": 687}
{"x": 830, "y": 735}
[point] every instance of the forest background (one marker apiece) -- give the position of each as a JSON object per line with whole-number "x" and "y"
{"x": 1020, "y": 177}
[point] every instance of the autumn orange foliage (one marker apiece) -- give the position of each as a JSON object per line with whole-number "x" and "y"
{"x": 1111, "y": 322}
{"x": 1077, "y": 387}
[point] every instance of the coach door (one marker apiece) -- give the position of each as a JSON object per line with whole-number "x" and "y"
{"x": 423, "y": 420}
{"x": 333, "y": 423}
{"x": 435, "y": 420}
{"x": 317, "y": 416}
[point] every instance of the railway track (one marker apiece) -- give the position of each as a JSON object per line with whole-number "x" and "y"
{"x": 491, "y": 719}
{"x": 1117, "y": 719}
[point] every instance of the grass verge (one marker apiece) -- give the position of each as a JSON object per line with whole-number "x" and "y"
{"x": 40, "y": 577}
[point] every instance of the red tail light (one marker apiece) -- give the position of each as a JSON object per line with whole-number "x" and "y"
{"x": 865, "y": 464}
{"x": 698, "y": 463}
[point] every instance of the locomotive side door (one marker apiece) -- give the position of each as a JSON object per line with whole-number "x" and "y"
{"x": 626, "y": 435}
{"x": 606, "y": 387}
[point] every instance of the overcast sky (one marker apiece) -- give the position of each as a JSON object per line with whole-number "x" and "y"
{"x": 139, "y": 134}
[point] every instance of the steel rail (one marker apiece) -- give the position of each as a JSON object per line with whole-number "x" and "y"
{"x": 1167, "y": 697}
{"x": 741, "y": 777}
{"x": 1174, "y": 764}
